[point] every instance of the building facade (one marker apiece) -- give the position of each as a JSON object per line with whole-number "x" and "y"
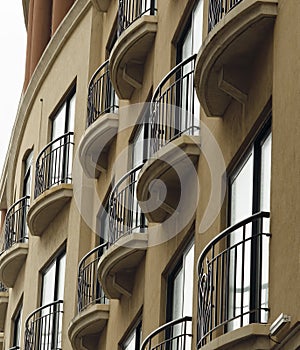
{"x": 145, "y": 202}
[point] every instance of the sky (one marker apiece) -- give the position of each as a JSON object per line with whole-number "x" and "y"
{"x": 12, "y": 68}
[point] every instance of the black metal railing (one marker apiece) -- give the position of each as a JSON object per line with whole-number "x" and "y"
{"x": 218, "y": 9}
{"x": 125, "y": 214}
{"x": 233, "y": 278}
{"x": 173, "y": 106}
{"x": 175, "y": 335}
{"x": 131, "y": 10}
{"x": 2, "y": 287}
{"x": 101, "y": 94}
{"x": 43, "y": 328}
{"x": 16, "y": 230}
{"x": 14, "y": 348}
{"x": 54, "y": 164}
{"x": 89, "y": 289}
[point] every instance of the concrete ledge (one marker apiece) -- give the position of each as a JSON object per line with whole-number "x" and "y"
{"x": 11, "y": 262}
{"x": 126, "y": 62}
{"x": 88, "y": 322}
{"x": 46, "y": 206}
{"x": 224, "y": 62}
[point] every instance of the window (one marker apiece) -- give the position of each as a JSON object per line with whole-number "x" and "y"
{"x": 17, "y": 326}
{"x": 134, "y": 339}
{"x": 249, "y": 191}
{"x": 27, "y": 174}
{"x": 180, "y": 291}
{"x": 53, "y": 280}
{"x": 62, "y": 128}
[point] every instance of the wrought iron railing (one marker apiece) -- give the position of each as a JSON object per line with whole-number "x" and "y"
{"x": 43, "y": 328}
{"x": 101, "y": 94}
{"x": 54, "y": 164}
{"x": 218, "y": 9}
{"x": 2, "y": 287}
{"x": 233, "y": 278}
{"x": 173, "y": 106}
{"x": 16, "y": 230}
{"x": 89, "y": 289}
{"x": 125, "y": 214}
{"x": 14, "y": 348}
{"x": 175, "y": 335}
{"x": 131, "y": 10}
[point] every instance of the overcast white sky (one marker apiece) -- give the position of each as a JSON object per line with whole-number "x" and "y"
{"x": 12, "y": 67}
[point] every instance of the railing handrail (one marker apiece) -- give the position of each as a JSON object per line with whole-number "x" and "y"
{"x": 171, "y": 72}
{"x": 123, "y": 178}
{"x": 39, "y": 309}
{"x": 97, "y": 71}
{"x": 220, "y": 236}
{"x": 69, "y": 133}
{"x": 14, "y": 205}
{"x": 164, "y": 327}
{"x": 91, "y": 252}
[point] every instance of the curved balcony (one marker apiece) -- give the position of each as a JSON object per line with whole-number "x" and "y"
{"x": 102, "y": 123}
{"x": 93, "y": 308}
{"x": 43, "y": 327}
{"x": 174, "y": 141}
{"x": 128, "y": 240}
{"x": 225, "y": 61}
{"x": 15, "y": 246}
{"x": 233, "y": 282}
{"x": 176, "y": 334}
{"x": 137, "y": 29}
{"x": 53, "y": 178}
{"x": 3, "y": 304}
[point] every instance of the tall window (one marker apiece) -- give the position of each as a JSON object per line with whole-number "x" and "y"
{"x": 249, "y": 193}
{"x": 133, "y": 340}
{"x": 27, "y": 174}
{"x": 17, "y": 326}
{"x": 61, "y": 140}
{"x": 180, "y": 291}
{"x": 53, "y": 280}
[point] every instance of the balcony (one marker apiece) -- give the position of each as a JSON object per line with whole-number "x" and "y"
{"x": 43, "y": 327}
{"x": 93, "y": 308}
{"x": 174, "y": 141}
{"x": 128, "y": 240}
{"x": 3, "y": 304}
{"x": 176, "y": 334}
{"x": 102, "y": 123}
{"x": 233, "y": 285}
{"x": 15, "y": 246}
{"x": 137, "y": 29}
{"x": 237, "y": 30}
{"x": 53, "y": 178}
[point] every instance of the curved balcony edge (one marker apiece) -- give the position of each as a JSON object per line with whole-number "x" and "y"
{"x": 173, "y": 159}
{"x": 94, "y": 144}
{"x": 128, "y": 55}
{"x": 11, "y": 262}
{"x": 116, "y": 268}
{"x": 223, "y": 64}
{"x": 46, "y": 206}
{"x": 91, "y": 321}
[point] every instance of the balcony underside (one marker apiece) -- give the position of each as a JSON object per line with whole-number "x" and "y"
{"x": 46, "y": 206}
{"x": 101, "y": 5}
{"x": 93, "y": 147}
{"x": 224, "y": 63}
{"x": 86, "y": 327}
{"x": 11, "y": 262}
{"x": 3, "y": 308}
{"x": 170, "y": 165}
{"x": 117, "y": 266}
{"x": 129, "y": 54}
